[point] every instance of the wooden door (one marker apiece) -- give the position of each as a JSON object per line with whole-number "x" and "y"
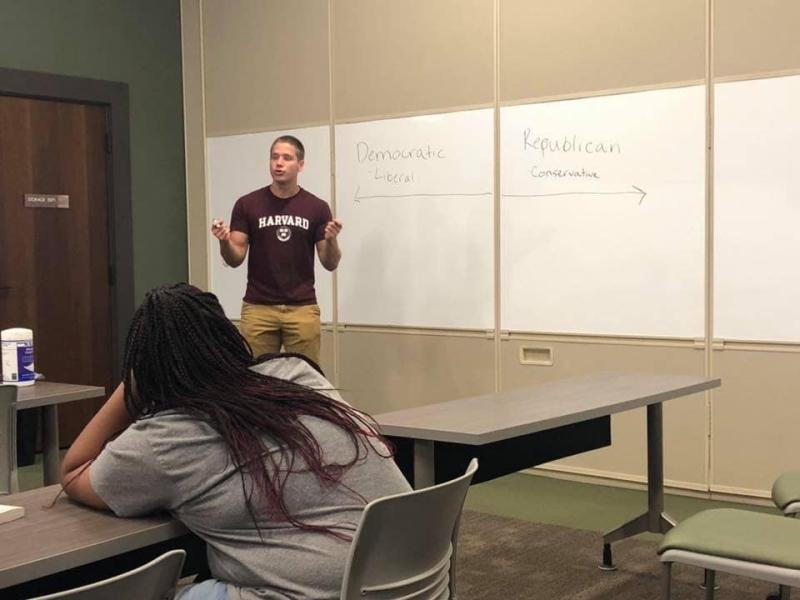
{"x": 55, "y": 276}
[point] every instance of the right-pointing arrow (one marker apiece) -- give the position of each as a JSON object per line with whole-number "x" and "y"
{"x": 641, "y": 191}
{"x": 636, "y": 190}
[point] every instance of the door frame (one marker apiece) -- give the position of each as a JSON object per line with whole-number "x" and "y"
{"x": 114, "y": 96}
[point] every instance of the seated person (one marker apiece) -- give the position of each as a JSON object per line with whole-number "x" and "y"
{"x": 265, "y": 462}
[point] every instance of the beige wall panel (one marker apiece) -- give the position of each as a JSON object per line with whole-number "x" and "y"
{"x": 194, "y": 135}
{"x": 756, "y": 37}
{"x": 755, "y": 418}
{"x": 684, "y": 418}
{"x": 577, "y": 46}
{"x": 266, "y": 64}
{"x": 380, "y": 372}
{"x": 413, "y": 56}
{"x": 326, "y": 354}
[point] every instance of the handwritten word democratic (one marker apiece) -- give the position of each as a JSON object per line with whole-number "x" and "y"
{"x": 367, "y": 153}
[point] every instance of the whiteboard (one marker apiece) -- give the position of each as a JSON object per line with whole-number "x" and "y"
{"x": 239, "y": 164}
{"x": 415, "y": 195}
{"x": 757, "y": 210}
{"x": 602, "y": 213}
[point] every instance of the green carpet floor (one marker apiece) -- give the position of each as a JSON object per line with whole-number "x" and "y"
{"x": 578, "y": 505}
{"x": 31, "y": 476}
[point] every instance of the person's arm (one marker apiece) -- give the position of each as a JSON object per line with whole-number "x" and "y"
{"x": 110, "y": 420}
{"x": 232, "y": 244}
{"x": 328, "y": 247}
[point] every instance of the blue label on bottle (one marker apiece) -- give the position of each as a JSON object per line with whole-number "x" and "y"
{"x": 25, "y": 361}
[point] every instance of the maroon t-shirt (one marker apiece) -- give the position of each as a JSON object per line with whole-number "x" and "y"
{"x": 283, "y": 233}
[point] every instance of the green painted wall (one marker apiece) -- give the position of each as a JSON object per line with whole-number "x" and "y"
{"x": 137, "y": 42}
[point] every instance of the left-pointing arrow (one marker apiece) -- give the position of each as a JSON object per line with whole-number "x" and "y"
{"x": 357, "y": 197}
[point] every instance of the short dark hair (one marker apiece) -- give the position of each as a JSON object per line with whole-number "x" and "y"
{"x": 290, "y": 139}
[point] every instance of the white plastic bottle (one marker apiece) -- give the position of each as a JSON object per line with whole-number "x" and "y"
{"x": 17, "y": 356}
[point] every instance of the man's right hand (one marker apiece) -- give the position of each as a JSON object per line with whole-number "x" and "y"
{"x": 232, "y": 244}
{"x": 220, "y": 230}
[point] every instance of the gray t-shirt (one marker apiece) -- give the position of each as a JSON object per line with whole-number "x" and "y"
{"x": 175, "y": 462}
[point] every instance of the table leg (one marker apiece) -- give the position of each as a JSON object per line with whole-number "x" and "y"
{"x": 655, "y": 520}
{"x": 424, "y": 469}
{"x": 51, "y": 459}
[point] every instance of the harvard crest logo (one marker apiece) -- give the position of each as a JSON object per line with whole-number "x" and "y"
{"x": 283, "y": 233}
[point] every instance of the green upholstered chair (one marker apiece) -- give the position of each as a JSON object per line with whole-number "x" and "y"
{"x": 786, "y": 496}
{"x": 742, "y": 542}
{"x": 786, "y": 493}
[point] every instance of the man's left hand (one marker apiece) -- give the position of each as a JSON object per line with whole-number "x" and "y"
{"x": 332, "y": 229}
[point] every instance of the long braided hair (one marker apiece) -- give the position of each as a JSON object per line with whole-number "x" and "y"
{"x": 182, "y": 353}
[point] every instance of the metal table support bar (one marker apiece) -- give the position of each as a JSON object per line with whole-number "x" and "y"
{"x": 655, "y": 520}
{"x": 50, "y": 445}
{"x": 424, "y": 464}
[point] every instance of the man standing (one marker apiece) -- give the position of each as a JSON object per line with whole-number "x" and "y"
{"x": 281, "y": 224}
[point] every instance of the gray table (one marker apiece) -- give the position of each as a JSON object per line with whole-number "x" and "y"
{"x": 47, "y": 541}
{"x": 48, "y": 395}
{"x": 529, "y": 411}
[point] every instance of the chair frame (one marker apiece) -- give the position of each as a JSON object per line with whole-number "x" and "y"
{"x": 9, "y": 481}
{"x": 451, "y": 556}
{"x": 76, "y": 593}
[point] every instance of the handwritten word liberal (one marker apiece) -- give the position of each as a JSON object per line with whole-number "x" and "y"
{"x": 567, "y": 144}
{"x": 367, "y": 153}
{"x": 392, "y": 177}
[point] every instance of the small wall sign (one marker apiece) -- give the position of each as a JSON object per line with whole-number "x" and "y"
{"x": 46, "y": 201}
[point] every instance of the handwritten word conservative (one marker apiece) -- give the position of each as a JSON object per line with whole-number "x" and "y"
{"x": 576, "y": 173}
{"x": 567, "y": 144}
{"x": 367, "y": 153}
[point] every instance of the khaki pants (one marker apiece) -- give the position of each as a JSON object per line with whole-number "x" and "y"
{"x": 268, "y": 327}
